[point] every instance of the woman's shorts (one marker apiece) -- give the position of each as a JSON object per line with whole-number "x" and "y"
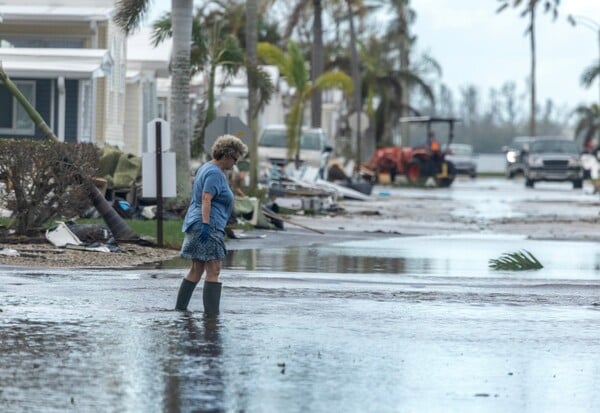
{"x": 212, "y": 249}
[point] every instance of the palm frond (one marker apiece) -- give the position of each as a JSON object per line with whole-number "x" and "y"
{"x": 272, "y": 55}
{"x": 332, "y": 80}
{"x": 294, "y": 17}
{"x": 264, "y": 85}
{"x": 297, "y": 71}
{"x": 161, "y": 29}
{"x": 416, "y": 80}
{"x": 430, "y": 64}
{"x": 293, "y": 123}
{"x": 588, "y": 122}
{"x": 515, "y": 261}
{"x": 130, "y": 13}
{"x": 231, "y": 55}
{"x": 590, "y": 74}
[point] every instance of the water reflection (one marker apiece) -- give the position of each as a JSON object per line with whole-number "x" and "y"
{"x": 45, "y": 359}
{"x": 315, "y": 260}
{"x": 110, "y": 341}
{"x": 460, "y": 255}
{"x": 194, "y": 372}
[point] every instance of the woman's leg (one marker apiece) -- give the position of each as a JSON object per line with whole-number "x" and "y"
{"x": 213, "y": 269}
{"x": 196, "y": 270}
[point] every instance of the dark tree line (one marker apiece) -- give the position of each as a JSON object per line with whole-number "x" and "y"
{"x": 492, "y": 120}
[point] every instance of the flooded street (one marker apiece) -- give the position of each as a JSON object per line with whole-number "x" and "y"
{"x": 408, "y": 319}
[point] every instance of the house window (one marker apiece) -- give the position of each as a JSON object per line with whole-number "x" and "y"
{"x": 114, "y": 75}
{"x": 14, "y": 119}
{"x": 163, "y": 113}
{"x": 85, "y": 110}
{"x": 62, "y": 43}
{"x": 122, "y": 75}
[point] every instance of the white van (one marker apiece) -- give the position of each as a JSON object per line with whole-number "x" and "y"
{"x": 272, "y": 146}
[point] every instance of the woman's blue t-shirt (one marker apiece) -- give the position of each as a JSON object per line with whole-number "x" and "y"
{"x": 211, "y": 179}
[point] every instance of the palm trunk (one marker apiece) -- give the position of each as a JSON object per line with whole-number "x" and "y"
{"x": 117, "y": 225}
{"x": 113, "y": 220}
{"x": 294, "y": 127}
{"x": 317, "y": 64}
{"x": 210, "y": 114}
{"x": 404, "y": 43}
{"x": 532, "y": 80}
{"x": 181, "y": 15}
{"x": 356, "y": 82}
{"x": 251, "y": 63}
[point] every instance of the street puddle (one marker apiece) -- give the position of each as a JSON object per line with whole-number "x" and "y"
{"x": 427, "y": 256}
{"x": 311, "y": 329}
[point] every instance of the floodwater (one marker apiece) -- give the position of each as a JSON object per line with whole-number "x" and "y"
{"x": 385, "y": 324}
{"x": 409, "y": 324}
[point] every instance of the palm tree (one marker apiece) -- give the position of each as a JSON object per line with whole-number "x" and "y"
{"x": 253, "y": 104}
{"x": 293, "y": 67}
{"x": 588, "y": 123}
{"x": 355, "y": 70}
{"x": 129, "y": 15}
{"x": 317, "y": 63}
{"x": 219, "y": 47}
{"x": 590, "y": 74}
{"x": 232, "y": 15}
{"x": 593, "y": 71}
{"x": 399, "y": 36}
{"x": 212, "y": 48}
{"x": 530, "y": 9}
{"x": 317, "y": 55}
{"x": 386, "y": 85}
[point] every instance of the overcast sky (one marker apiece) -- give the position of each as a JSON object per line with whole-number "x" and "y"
{"x": 474, "y": 45}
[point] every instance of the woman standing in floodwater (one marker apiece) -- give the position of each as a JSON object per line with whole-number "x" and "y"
{"x": 205, "y": 221}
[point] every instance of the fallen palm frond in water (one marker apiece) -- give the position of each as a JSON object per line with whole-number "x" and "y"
{"x": 516, "y": 261}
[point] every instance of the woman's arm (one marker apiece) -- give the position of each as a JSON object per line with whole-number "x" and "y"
{"x": 206, "y": 204}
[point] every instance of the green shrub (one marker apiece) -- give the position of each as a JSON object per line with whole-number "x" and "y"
{"x": 45, "y": 180}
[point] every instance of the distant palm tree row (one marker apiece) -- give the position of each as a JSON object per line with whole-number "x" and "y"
{"x": 387, "y": 73}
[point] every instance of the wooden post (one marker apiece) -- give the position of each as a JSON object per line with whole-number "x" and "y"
{"x": 159, "y": 200}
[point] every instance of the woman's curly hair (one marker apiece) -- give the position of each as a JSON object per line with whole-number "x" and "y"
{"x": 228, "y": 145}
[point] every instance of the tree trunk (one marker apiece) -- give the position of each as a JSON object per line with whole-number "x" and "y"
{"x": 404, "y": 43}
{"x": 532, "y": 80}
{"x": 210, "y": 113}
{"x": 317, "y": 66}
{"x": 356, "y": 81}
{"x": 113, "y": 220}
{"x": 181, "y": 15}
{"x": 251, "y": 63}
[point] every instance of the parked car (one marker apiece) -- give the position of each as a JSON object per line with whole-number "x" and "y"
{"x": 514, "y": 153}
{"x": 461, "y": 155}
{"x": 553, "y": 159}
{"x": 272, "y": 146}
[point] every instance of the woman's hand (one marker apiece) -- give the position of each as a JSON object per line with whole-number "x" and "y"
{"x": 204, "y": 232}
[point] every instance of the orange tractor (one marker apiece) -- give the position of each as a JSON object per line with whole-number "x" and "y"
{"x": 421, "y": 162}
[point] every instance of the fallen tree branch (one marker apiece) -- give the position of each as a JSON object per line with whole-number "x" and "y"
{"x": 273, "y": 215}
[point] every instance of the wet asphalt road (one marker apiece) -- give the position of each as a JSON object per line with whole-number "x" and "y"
{"x": 387, "y": 324}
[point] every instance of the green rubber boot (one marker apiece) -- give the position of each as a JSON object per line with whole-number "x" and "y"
{"x": 185, "y": 294}
{"x": 211, "y": 296}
